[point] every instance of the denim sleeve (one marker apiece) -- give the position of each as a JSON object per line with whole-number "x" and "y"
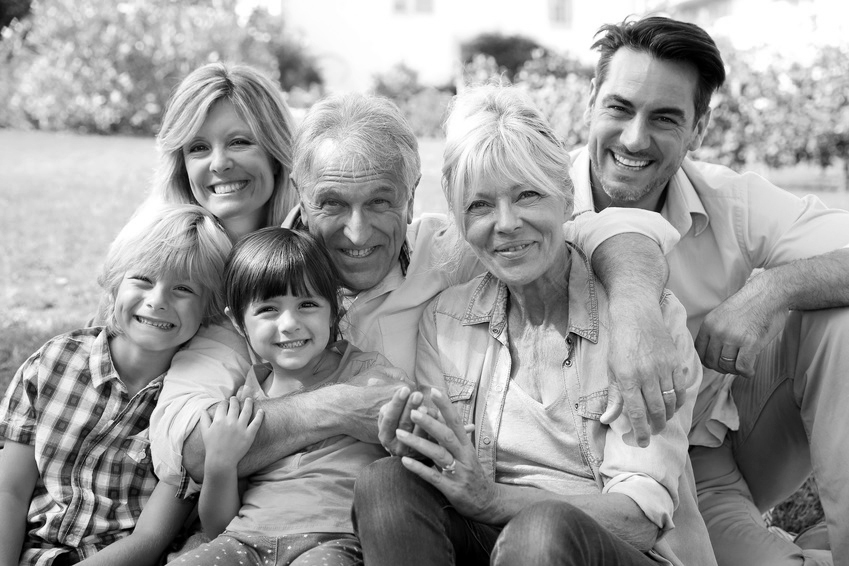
{"x": 650, "y": 475}
{"x": 210, "y": 369}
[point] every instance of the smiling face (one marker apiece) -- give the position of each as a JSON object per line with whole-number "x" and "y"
{"x": 359, "y": 215}
{"x": 157, "y": 313}
{"x": 230, "y": 174}
{"x": 289, "y": 332}
{"x": 516, "y": 230}
{"x": 642, "y": 124}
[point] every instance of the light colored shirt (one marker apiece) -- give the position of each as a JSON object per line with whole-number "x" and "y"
{"x": 383, "y": 319}
{"x": 464, "y": 342}
{"x": 91, "y": 446}
{"x": 310, "y": 491}
{"x": 730, "y": 224}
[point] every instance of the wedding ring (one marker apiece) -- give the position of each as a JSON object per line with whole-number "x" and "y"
{"x": 670, "y": 392}
{"x": 729, "y": 360}
{"x": 450, "y": 468}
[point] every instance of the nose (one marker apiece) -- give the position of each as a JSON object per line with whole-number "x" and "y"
{"x": 220, "y": 160}
{"x": 635, "y": 135}
{"x": 157, "y": 297}
{"x": 507, "y": 219}
{"x": 288, "y": 321}
{"x": 358, "y": 228}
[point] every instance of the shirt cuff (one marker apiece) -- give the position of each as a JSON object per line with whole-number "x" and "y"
{"x": 648, "y": 494}
{"x": 589, "y": 229}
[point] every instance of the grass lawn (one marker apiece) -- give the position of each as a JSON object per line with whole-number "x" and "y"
{"x": 65, "y": 196}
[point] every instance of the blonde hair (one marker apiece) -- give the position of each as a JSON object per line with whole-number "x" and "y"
{"x": 257, "y": 101}
{"x": 497, "y": 131}
{"x": 184, "y": 241}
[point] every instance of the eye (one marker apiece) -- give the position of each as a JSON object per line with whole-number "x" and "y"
{"x": 263, "y": 309}
{"x": 196, "y": 147}
{"x": 477, "y": 206}
{"x": 310, "y": 304}
{"x": 141, "y": 278}
{"x": 529, "y": 196}
{"x": 667, "y": 121}
{"x": 243, "y": 142}
{"x": 331, "y": 205}
{"x": 185, "y": 289}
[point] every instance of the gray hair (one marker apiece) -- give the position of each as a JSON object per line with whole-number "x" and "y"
{"x": 369, "y": 131}
{"x": 497, "y": 130}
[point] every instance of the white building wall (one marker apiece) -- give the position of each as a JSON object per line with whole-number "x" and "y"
{"x": 356, "y": 39}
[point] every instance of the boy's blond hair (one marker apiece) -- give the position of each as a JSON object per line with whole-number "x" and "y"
{"x": 183, "y": 240}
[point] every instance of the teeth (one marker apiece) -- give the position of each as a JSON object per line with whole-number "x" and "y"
{"x": 359, "y": 253}
{"x": 160, "y": 325}
{"x": 513, "y": 248}
{"x": 631, "y": 162}
{"x": 227, "y": 188}
{"x": 291, "y": 345}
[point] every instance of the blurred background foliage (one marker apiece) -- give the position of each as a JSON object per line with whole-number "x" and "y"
{"x": 99, "y": 66}
{"x": 108, "y": 67}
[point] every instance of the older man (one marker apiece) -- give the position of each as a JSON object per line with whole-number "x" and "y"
{"x": 356, "y": 168}
{"x": 754, "y": 440}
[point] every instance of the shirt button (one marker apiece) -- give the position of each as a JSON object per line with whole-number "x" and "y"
{"x": 486, "y": 440}
{"x": 499, "y": 388}
{"x": 568, "y": 363}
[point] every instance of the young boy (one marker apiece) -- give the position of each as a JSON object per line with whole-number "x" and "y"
{"x": 75, "y": 471}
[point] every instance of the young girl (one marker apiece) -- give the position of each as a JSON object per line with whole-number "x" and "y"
{"x": 75, "y": 471}
{"x": 281, "y": 294}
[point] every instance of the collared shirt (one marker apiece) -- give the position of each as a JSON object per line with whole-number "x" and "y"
{"x": 383, "y": 319}
{"x": 730, "y": 224}
{"x": 463, "y": 341}
{"x": 91, "y": 446}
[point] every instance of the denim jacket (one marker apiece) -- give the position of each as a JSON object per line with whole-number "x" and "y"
{"x": 463, "y": 348}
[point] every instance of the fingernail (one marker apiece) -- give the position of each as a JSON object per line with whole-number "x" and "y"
{"x": 400, "y": 433}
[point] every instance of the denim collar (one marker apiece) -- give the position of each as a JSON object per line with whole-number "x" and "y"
{"x": 489, "y": 301}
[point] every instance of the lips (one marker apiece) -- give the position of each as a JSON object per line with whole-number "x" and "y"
{"x": 228, "y": 188}
{"x": 162, "y": 325}
{"x": 630, "y": 163}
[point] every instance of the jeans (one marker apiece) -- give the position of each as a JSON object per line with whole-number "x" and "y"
{"x": 793, "y": 421}
{"x": 401, "y": 519}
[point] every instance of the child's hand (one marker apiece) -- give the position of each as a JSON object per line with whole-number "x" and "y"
{"x": 229, "y": 434}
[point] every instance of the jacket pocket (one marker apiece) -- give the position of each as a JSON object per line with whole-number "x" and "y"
{"x": 461, "y": 392}
{"x": 590, "y": 408}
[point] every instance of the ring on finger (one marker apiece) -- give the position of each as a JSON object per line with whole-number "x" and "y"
{"x": 729, "y": 360}
{"x": 450, "y": 468}
{"x": 668, "y": 392}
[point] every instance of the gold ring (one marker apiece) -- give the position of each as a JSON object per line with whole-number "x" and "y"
{"x": 450, "y": 468}
{"x": 670, "y": 392}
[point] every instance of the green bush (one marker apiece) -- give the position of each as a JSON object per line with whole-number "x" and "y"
{"x": 96, "y": 66}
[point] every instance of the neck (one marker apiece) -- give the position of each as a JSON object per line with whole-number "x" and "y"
{"x": 241, "y": 226}
{"x": 135, "y": 366}
{"x": 544, "y": 301}
{"x": 319, "y": 369}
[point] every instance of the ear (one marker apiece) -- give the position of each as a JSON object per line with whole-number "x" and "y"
{"x": 411, "y": 202}
{"x": 588, "y": 111}
{"x": 699, "y": 131}
{"x": 232, "y": 318}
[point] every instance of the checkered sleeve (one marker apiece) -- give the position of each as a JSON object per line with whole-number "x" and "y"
{"x": 17, "y": 411}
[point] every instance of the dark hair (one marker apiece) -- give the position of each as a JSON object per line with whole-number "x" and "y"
{"x": 667, "y": 40}
{"x": 277, "y": 261}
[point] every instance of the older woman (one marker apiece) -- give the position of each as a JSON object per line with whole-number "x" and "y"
{"x": 226, "y": 144}
{"x": 522, "y": 353}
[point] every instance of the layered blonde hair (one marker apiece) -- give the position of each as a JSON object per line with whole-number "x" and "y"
{"x": 257, "y": 100}
{"x": 184, "y": 241}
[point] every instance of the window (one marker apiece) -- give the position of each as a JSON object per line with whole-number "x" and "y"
{"x": 560, "y": 11}
{"x": 413, "y": 6}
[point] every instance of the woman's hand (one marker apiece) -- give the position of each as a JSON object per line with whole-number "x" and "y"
{"x": 457, "y": 472}
{"x": 229, "y": 434}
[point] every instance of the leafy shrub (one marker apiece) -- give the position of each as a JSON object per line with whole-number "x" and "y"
{"x": 510, "y": 52}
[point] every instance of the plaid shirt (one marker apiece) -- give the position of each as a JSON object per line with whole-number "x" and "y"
{"x": 91, "y": 446}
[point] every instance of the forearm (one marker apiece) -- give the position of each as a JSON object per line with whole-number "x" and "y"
{"x": 13, "y": 518}
{"x": 219, "y": 499}
{"x": 616, "y": 512}
{"x": 291, "y": 423}
{"x": 631, "y": 267}
{"x": 805, "y": 284}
